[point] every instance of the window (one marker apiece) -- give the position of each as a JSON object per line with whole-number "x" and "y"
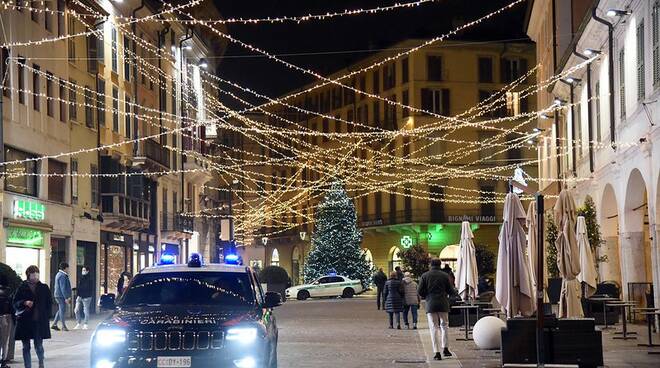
{"x": 488, "y": 151}
{"x": 597, "y": 120}
{"x": 485, "y": 70}
{"x": 174, "y": 103}
{"x": 389, "y": 76}
{"x": 405, "y": 100}
{"x": 36, "y": 88}
{"x": 163, "y": 209}
{"x": 25, "y": 181}
{"x": 127, "y": 59}
{"x": 175, "y": 201}
{"x": 73, "y": 101}
{"x": 94, "y": 181}
{"x": 376, "y": 115}
{"x": 512, "y": 69}
{"x": 436, "y": 101}
{"x": 641, "y": 85}
{"x": 487, "y": 199}
{"x": 656, "y": 42}
{"x": 500, "y": 111}
{"x": 127, "y": 117}
{"x": 363, "y": 86}
{"x": 74, "y": 181}
{"x": 100, "y": 45}
{"x": 376, "y": 81}
{"x": 514, "y": 153}
{"x": 56, "y": 181}
{"x": 404, "y": 70}
{"x": 434, "y": 68}
{"x": 71, "y": 42}
{"x": 89, "y": 108}
{"x": 48, "y": 21}
{"x": 336, "y": 98}
{"x": 350, "y": 125}
{"x": 437, "y": 197}
{"x": 34, "y": 11}
{"x": 50, "y": 100}
{"x": 22, "y": 93}
{"x": 326, "y": 129}
{"x": 114, "y": 50}
{"x": 62, "y": 96}
{"x": 5, "y": 73}
{"x": 622, "y": 83}
{"x": 115, "y": 109}
{"x": 512, "y": 103}
{"x": 100, "y": 101}
{"x": 60, "y": 17}
{"x": 390, "y": 114}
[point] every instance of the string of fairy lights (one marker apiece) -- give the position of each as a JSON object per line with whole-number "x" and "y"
{"x": 281, "y": 182}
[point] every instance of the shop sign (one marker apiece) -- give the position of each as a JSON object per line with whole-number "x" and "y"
{"x": 406, "y": 241}
{"x": 27, "y": 237}
{"x": 29, "y": 210}
{"x": 472, "y": 218}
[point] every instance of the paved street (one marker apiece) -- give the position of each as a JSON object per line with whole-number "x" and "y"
{"x": 351, "y": 333}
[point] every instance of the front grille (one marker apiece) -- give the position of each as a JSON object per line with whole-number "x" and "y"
{"x": 175, "y": 340}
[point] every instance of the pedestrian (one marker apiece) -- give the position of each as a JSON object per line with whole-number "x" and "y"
{"x": 122, "y": 283}
{"x": 399, "y": 273}
{"x": 435, "y": 288}
{"x": 452, "y": 279}
{"x": 62, "y": 295}
{"x": 380, "y": 279}
{"x": 85, "y": 290}
{"x": 393, "y": 297}
{"x": 6, "y": 320}
{"x": 410, "y": 300}
{"x": 33, "y": 304}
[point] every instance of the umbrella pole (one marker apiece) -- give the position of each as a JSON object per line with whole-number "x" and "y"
{"x": 540, "y": 312}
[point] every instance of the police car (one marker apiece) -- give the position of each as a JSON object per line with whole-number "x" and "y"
{"x": 194, "y": 315}
{"x": 326, "y": 286}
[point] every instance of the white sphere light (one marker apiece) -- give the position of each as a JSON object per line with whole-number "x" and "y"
{"x": 486, "y": 333}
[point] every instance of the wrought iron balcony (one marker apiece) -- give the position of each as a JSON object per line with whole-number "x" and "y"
{"x": 176, "y": 222}
{"x": 152, "y": 154}
{"x": 122, "y": 211}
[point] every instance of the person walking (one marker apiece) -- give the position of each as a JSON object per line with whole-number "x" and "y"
{"x": 393, "y": 296}
{"x": 62, "y": 294}
{"x": 452, "y": 279}
{"x": 410, "y": 300}
{"x": 399, "y": 273}
{"x": 380, "y": 279}
{"x": 435, "y": 288}
{"x": 85, "y": 290}
{"x": 33, "y": 304}
{"x": 6, "y": 320}
{"x": 122, "y": 283}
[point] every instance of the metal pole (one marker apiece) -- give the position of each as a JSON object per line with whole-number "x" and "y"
{"x": 2, "y": 118}
{"x": 540, "y": 312}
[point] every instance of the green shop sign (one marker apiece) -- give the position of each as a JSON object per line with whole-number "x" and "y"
{"x": 29, "y": 210}
{"x": 26, "y": 237}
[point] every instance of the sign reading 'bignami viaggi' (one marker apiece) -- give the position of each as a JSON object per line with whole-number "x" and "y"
{"x": 29, "y": 210}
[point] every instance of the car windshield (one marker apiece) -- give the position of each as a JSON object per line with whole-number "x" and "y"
{"x": 198, "y": 288}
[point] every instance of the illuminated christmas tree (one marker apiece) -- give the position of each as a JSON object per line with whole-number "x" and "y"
{"x": 336, "y": 240}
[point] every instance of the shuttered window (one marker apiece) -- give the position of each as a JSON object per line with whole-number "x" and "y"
{"x": 656, "y": 43}
{"x": 641, "y": 71}
{"x": 622, "y": 83}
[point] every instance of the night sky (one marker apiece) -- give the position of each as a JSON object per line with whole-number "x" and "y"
{"x": 340, "y": 41}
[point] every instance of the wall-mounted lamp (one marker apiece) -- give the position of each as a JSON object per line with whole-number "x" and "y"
{"x": 303, "y": 235}
{"x": 591, "y": 52}
{"x": 572, "y": 80}
{"x": 203, "y": 64}
{"x": 264, "y": 240}
{"x": 546, "y": 116}
{"x": 558, "y": 101}
{"x": 617, "y": 13}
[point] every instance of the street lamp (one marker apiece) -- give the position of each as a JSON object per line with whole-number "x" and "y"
{"x": 264, "y": 240}
{"x": 617, "y": 13}
{"x": 591, "y": 52}
{"x": 572, "y": 80}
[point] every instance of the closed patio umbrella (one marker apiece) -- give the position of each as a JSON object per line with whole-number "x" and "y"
{"x": 514, "y": 285}
{"x": 532, "y": 249}
{"x": 568, "y": 257}
{"x": 467, "y": 276}
{"x": 588, "y": 272}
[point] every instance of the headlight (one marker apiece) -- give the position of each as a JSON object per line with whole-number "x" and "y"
{"x": 243, "y": 335}
{"x": 109, "y": 336}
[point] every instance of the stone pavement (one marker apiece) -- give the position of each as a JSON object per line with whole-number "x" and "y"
{"x": 352, "y": 333}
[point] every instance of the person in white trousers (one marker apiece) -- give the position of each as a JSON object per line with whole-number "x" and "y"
{"x": 435, "y": 288}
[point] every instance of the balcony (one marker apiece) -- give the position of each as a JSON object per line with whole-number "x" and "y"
{"x": 152, "y": 156}
{"x": 174, "y": 222}
{"x": 123, "y": 212}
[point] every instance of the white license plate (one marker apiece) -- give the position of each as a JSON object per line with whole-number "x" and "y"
{"x": 174, "y": 362}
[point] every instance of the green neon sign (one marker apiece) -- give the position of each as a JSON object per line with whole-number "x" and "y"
{"x": 406, "y": 241}
{"x": 29, "y": 210}
{"x": 26, "y": 237}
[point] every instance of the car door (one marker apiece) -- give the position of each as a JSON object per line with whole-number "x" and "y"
{"x": 319, "y": 287}
{"x": 335, "y": 286}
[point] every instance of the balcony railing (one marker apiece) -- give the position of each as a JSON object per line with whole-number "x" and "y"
{"x": 154, "y": 151}
{"x": 116, "y": 204}
{"x": 429, "y": 216}
{"x": 176, "y": 222}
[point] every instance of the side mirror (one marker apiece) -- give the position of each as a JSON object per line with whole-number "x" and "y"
{"x": 273, "y": 299}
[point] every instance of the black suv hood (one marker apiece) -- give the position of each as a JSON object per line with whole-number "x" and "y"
{"x": 188, "y": 317}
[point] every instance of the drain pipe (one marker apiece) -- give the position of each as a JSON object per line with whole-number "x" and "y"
{"x": 589, "y": 122}
{"x": 610, "y": 62}
{"x": 182, "y": 113}
{"x": 136, "y": 113}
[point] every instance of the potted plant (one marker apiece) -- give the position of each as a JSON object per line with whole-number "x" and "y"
{"x": 275, "y": 278}
{"x": 554, "y": 281}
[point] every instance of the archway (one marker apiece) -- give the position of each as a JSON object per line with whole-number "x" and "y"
{"x": 369, "y": 257}
{"x": 275, "y": 258}
{"x": 394, "y": 259}
{"x": 609, "y": 270}
{"x": 635, "y": 241}
{"x": 296, "y": 262}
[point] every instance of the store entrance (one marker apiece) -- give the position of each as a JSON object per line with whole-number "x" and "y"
{"x": 57, "y": 256}
{"x": 86, "y": 256}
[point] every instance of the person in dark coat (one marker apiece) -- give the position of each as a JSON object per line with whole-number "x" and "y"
{"x": 393, "y": 296}
{"x": 33, "y": 303}
{"x": 399, "y": 273}
{"x": 380, "y": 279}
{"x": 435, "y": 288}
{"x": 452, "y": 279}
{"x": 123, "y": 281}
{"x": 84, "y": 299}
{"x": 6, "y": 320}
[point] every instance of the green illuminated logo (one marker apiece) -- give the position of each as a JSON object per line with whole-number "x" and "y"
{"x": 29, "y": 210}
{"x": 406, "y": 241}
{"x": 31, "y": 238}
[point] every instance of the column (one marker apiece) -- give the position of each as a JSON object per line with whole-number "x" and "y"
{"x": 610, "y": 270}
{"x": 633, "y": 260}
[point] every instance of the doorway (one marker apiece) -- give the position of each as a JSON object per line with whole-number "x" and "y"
{"x": 86, "y": 256}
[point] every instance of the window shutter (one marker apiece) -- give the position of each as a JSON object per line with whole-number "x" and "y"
{"x": 92, "y": 63}
{"x": 523, "y": 67}
{"x": 445, "y": 102}
{"x": 656, "y": 42}
{"x": 505, "y": 70}
{"x": 427, "y": 99}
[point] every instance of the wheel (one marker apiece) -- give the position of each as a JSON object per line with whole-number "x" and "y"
{"x": 348, "y": 293}
{"x": 303, "y": 295}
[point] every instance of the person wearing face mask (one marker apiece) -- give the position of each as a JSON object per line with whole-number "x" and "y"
{"x": 84, "y": 299}
{"x": 33, "y": 303}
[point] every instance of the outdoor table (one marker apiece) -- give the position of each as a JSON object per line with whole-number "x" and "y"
{"x": 497, "y": 311}
{"x": 604, "y": 299}
{"x": 466, "y": 319}
{"x": 648, "y": 312}
{"x": 622, "y": 307}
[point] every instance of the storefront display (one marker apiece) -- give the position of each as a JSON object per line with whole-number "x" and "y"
{"x": 24, "y": 248}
